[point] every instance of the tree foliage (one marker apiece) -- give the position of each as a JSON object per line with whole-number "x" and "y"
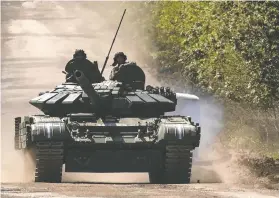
{"x": 230, "y": 49}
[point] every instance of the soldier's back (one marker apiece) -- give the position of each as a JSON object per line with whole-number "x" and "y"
{"x": 129, "y": 73}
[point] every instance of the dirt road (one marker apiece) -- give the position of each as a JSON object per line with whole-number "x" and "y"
{"x": 38, "y": 39}
{"x": 94, "y": 190}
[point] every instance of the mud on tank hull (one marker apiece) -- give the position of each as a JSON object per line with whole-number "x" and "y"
{"x": 160, "y": 146}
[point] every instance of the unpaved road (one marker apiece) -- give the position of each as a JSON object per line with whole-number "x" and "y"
{"x": 95, "y": 190}
{"x": 37, "y": 41}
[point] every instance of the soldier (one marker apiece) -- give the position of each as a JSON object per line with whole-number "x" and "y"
{"x": 119, "y": 59}
{"x": 80, "y": 62}
{"x": 127, "y": 72}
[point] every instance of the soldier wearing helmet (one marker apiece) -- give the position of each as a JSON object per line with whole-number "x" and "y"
{"x": 119, "y": 58}
{"x": 80, "y": 62}
{"x": 127, "y": 72}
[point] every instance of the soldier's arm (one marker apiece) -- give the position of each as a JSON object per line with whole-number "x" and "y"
{"x": 116, "y": 72}
{"x": 112, "y": 73}
{"x": 97, "y": 71}
{"x": 92, "y": 69}
{"x": 69, "y": 66}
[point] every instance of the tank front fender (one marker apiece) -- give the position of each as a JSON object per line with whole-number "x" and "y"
{"x": 48, "y": 128}
{"x": 181, "y": 133}
{"x": 48, "y": 131}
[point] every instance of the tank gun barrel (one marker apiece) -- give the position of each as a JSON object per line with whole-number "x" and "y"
{"x": 87, "y": 87}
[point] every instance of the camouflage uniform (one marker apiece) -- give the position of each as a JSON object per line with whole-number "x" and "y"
{"x": 79, "y": 62}
{"x": 127, "y": 72}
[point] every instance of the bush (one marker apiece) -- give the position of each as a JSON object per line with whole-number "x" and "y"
{"x": 230, "y": 49}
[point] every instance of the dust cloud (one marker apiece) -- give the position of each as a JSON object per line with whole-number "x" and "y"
{"x": 212, "y": 161}
{"x": 209, "y": 114}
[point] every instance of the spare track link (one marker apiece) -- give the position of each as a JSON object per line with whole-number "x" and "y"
{"x": 49, "y": 162}
{"x": 178, "y": 164}
{"x": 16, "y": 137}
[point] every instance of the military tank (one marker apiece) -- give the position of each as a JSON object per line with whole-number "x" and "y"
{"x": 108, "y": 127}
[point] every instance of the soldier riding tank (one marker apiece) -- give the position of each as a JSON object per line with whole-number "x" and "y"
{"x": 108, "y": 127}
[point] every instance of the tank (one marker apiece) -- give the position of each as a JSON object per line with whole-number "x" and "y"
{"x": 108, "y": 127}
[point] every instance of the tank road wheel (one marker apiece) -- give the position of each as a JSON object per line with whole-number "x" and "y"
{"x": 177, "y": 167}
{"x": 49, "y": 162}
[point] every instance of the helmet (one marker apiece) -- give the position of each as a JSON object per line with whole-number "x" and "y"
{"x": 117, "y": 55}
{"x": 79, "y": 53}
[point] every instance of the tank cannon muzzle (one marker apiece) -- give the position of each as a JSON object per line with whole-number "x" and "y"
{"x": 79, "y": 74}
{"x": 87, "y": 87}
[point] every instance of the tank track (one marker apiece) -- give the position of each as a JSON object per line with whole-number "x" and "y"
{"x": 177, "y": 166}
{"x": 49, "y": 162}
{"x": 16, "y": 137}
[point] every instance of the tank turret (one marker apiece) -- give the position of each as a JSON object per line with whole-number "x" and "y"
{"x": 105, "y": 98}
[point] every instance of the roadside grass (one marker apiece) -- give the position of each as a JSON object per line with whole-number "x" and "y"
{"x": 254, "y": 135}
{"x": 252, "y": 131}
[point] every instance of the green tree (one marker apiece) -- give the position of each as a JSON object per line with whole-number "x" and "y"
{"x": 228, "y": 48}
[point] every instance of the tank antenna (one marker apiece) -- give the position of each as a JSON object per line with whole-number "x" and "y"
{"x": 112, "y": 43}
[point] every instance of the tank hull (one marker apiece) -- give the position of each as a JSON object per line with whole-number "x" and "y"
{"x": 160, "y": 146}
